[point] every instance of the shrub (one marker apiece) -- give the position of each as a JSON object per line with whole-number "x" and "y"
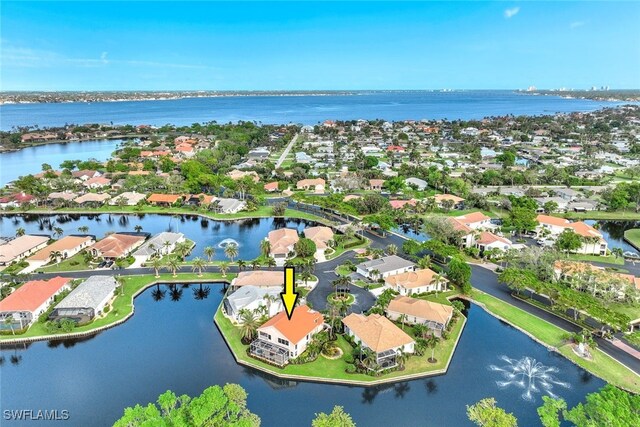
{"x": 349, "y": 358}
{"x": 350, "y": 369}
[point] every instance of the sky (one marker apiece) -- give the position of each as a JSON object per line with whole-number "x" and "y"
{"x": 148, "y": 45}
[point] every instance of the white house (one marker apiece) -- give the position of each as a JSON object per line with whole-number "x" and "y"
{"x": 416, "y": 282}
{"x": 261, "y": 300}
{"x": 383, "y": 267}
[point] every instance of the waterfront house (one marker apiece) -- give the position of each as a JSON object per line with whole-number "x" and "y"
{"x": 116, "y": 245}
{"x": 322, "y": 236}
{"x": 260, "y": 300}
{"x": 381, "y": 268}
{"x": 593, "y": 242}
{"x": 416, "y": 282}
{"x": 97, "y": 182}
{"x": 380, "y": 335}
{"x": 16, "y": 200}
{"x": 282, "y": 242}
{"x": 85, "y": 175}
{"x": 87, "y": 300}
{"x": 475, "y": 221}
{"x": 129, "y": 198}
{"x": 281, "y": 339}
{"x": 24, "y": 305}
{"x": 227, "y": 205}
{"x": 467, "y": 237}
{"x": 418, "y": 311}
{"x": 165, "y": 200}
{"x": 162, "y": 243}
{"x": 92, "y": 199}
{"x": 258, "y": 278}
{"x": 454, "y": 202}
{"x": 15, "y": 249}
{"x": 67, "y": 247}
{"x": 61, "y": 197}
{"x": 400, "y": 204}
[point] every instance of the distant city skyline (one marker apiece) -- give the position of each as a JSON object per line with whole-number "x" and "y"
{"x": 282, "y": 46}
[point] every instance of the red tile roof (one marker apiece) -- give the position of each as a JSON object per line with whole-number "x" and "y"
{"x": 33, "y": 294}
{"x": 303, "y": 321}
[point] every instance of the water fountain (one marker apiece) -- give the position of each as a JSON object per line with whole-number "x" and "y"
{"x": 227, "y": 242}
{"x": 529, "y": 375}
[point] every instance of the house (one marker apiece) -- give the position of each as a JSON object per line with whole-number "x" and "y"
{"x": 317, "y": 185}
{"x": 97, "y": 182}
{"x": 129, "y": 198}
{"x": 24, "y": 305}
{"x": 282, "y": 243}
{"x": 116, "y": 245}
{"x": 400, "y": 204}
{"x": 198, "y": 199}
{"x": 566, "y": 193}
{"x": 593, "y": 241}
{"x": 16, "y": 200}
{"x": 237, "y": 175}
{"x": 228, "y": 206}
{"x": 322, "y": 236}
{"x": 258, "y": 278}
{"x": 259, "y": 153}
{"x": 594, "y": 279}
{"x": 487, "y": 241}
{"x": 416, "y": 282}
{"x": 257, "y": 299}
{"x": 281, "y": 339}
{"x": 380, "y": 335}
{"x": 16, "y": 249}
{"x": 376, "y": 184}
{"x": 475, "y": 220}
{"x": 87, "y": 300}
{"x": 162, "y": 243}
{"x": 157, "y": 199}
{"x": 420, "y": 184}
{"x": 418, "y": 311}
{"x": 85, "y": 175}
{"x": 61, "y": 196}
{"x": 271, "y": 187}
{"x": 449, "y": 201}
{"x": 383, "y": 267}
{"x": 92, "y": 198}
{"x": 67, "y": 247}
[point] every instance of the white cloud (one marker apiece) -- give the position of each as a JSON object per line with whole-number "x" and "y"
{"x": 511, "y": 12}
{"x": 576, "y": 24}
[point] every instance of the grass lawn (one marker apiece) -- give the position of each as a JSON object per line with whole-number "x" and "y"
{"x": 15, "y": 268}
{"x": 335, "y": 369}
{"x": 442, "y": 297}
{"x": 343, "y": 270}
{"x": 609, "y": 259}
{"x": 340, "y": 249}
{"x": 74, "y": 263}
{"x": 633, "y": 237}
{"x": 615, "y": 215}
{"x": 602, "y": 365}
{"x": 123, "y": 303}
{"x": 634, "y": 338}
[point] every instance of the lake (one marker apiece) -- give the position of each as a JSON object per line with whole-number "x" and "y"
{"x": 307, "y": 109}
{"x": 246, "y": 232}
{"x": 613, "y": 232}
{"x": 14, "y": 164}
{"x": 173, "y": 344}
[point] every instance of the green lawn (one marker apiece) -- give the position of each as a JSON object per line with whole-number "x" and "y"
{"x": 343, "y": 270}
{"x": 15, "y": 267}
{"x": 609, "y": 259}
{"x": 602, "y": 365}
{"x": 74, "y": 263}
{"x": 340, "y": 249}
{"x": 633, "y": 237}
{"x": 634, "y": 338}
{"x": 335, "y": 369}
{"x": 123, "y": 303}
{"x": 615, "y": 215}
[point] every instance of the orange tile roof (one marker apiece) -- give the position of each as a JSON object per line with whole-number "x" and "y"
{"x": 259, "y": 278}
{"x": 64, "y": 244}
{"x": 487, "y": 238}
{"x": 413, "y": 279}
{"x": 442, "y": 197}
{"x": 320, "y": 235}
{"x": 472, "y": 217}
{"x": 552, "y": 220}
{"x": 377, "y": 332}
{"x": 163, "y": 198}
{"x": 281, "y": 239}
{"x": 116, "y": 245}
{"x": 459, "y": 226}
{"x": 420, "y": 308}
{"x": 32, "y": 294}
{"x": 303, "y": 321}
{"x": 271, "y": 186}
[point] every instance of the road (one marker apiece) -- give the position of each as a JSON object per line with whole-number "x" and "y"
{"x": 285, "y": 153}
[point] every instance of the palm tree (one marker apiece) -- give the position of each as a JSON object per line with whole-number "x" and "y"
{"x": 224, "y": 267}
{"x": 201, "y": 293}
{"x": 158, "y": 294}
{"x": 242, "y": 264}
{"x": 173, "y": 265}
{"x": 83, "y": 229}
{"x": 8, "y": 320}
{"x": 401, "y": 358}
{"x": 402, "y": 319}
{"x": 265, "y": 247}
{"x": 57, "y": 231}
{"x": 54, "y": 256}
{"x": 231, "y": 251}
{"x": 424, "y": 262}
{"x": 167, "y": 245}
{"x": 156, "y": 264}
{"x": 432, "y": 342}
{"x": 271, "y": 262}
{"x": 138, "y": 228}
{"x": 183, "y": 249}
{"x": 255, "y": 264}
{"x": 392, "y": 249}
{"x": 209, "y": 252}
{"x": 617, "y": 252}
{"x": 198, "y": 264}
{"x": 20, "y": 232}
{"x": 248, "y": 326}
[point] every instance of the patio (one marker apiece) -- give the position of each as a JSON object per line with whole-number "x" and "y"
{"x": 269, "y": 352}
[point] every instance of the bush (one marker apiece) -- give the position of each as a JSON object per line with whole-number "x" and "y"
{"x": 74, "y": 262}
{"x": 349, "y": 358}
{"x": 350, "y": 369}
{"x": 106, "y": 309}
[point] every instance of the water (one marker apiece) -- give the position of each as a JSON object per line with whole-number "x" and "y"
{"x": 529, "y": 375}
{"x": 613, "y": 233}
{"x": 247, "y": 233}
{"x": 29, "y": 160}
{"x": 175, "y": 345}
{"x": 297, "y": 109}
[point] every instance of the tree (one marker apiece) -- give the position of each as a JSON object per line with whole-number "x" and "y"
{"x": 610, "y": 406}
{"x": 550, "y": 411}
{"x": 265, "y": 247}
{"x": 248, "y": 325}
{"x": 522, "y": 219}
{"x": 337, "y": 418}
{"x": 216, "y": 406}
{"x": 156, "y": 264}
{"x": 459, "y": 271}
{"x": 485, "y": 413}
{"x": 198, "y": 265}
{"x": 392, "y": 249}
{"x": 54, "y": 256}
{"x": 138, "y": 228}
{"x": 57, "y": 231}
{"x": 173, "y": 265}
{"x": 209, "y": 252}
{"x": 231, "y": 251}
{"x": 550, "y": 207}
{"x": 83, "y": 229}
{"x": 432, "y": 343}
{"x": 20, "y": 232}
{"x": 568, "y": 241}
{"x": 224, "y": 267}
{"x": 279, "y": 209}
{"x": 305, "y": 248}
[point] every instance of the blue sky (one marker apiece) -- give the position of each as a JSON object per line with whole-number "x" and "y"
{"x": 307, "y": 45}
